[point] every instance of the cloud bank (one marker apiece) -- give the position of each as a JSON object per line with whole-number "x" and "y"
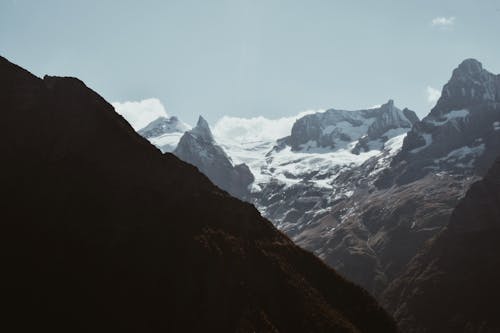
{"x": 432, "y": 95}
{"x": 239, "y": 130}
{"x": 443, "y": 22}
{"x": 140, "y": 113}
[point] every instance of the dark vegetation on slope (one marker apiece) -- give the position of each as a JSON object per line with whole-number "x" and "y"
{"x": 452, "y": 285}
{"x": 100, "y": 232}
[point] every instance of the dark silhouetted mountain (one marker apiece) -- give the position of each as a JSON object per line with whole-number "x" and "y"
{"x": 101, "y": 232}
{"x": 198, "y": 147}
{"x": 452, "y": 285}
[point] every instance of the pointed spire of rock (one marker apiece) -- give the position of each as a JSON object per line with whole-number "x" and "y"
{"x": 202, "y": 130}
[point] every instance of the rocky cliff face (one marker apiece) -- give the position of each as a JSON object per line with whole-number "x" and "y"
{"x": 337, "y": 128}
{"x": 101, "y": 232}
{"x": 199, "y": 148}
{"x": 299, "y": 187}
{"x": 460, "y": 134}
{"x": 457, "y": 272}
{"x": 373, "y": 216}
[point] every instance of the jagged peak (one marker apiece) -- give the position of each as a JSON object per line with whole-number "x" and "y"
{"x": 202, "y": 130}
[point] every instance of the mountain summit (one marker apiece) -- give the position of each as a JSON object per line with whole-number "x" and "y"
{"x": 202, "y": 130}
{"x": 461, "y": 133}
{"x": 198, "y": 147}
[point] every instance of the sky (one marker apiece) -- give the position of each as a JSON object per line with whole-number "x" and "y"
{"x": 252, "y": 58}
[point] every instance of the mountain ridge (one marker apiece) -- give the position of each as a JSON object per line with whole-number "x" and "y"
{"x": 102, "y": 232}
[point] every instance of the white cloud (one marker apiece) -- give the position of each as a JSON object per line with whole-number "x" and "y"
{"x": 432, "y": 95}
{"x": 234, "y": 129}
{"x": 140, "y": 113}
{"x": 443, "y": 22}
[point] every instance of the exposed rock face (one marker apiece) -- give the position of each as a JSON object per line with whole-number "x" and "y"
{"x": 375, "y": 216}
{"x": 336, "y": 128}
{"x": 460, "y": 134}
{"x": 299, "y": 187}
{"x": 452, "y": 285}
{"x": 199, "y": 148}
{"x": 394, "y": 209}
{"x": 102, "y": 232}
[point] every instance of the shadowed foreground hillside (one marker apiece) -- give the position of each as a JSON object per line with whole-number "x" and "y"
{"x": 452, "y": 285}
{"x": 101, "y": 232}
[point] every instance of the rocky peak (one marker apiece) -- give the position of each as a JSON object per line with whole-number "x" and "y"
{"x": 163, "y": 125}
{"x": 199, "y": 148}
{"x": 338, "y": 128}
{"x": 460, "y": 135}
{"x": 388, "y": 105}
{"x": 470, "y": 84}
{"x": 410, "y": 115}
{"x": 469, "y": 67}
{"x": 389, "y": 117}
{"x": 202, "y": 130}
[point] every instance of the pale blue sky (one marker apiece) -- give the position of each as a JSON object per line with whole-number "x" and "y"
{"x": 251, "y": 57}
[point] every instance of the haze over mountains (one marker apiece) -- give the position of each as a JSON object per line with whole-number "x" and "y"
{"x": 366, "y": 190}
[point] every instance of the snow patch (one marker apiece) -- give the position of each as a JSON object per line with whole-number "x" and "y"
{"x": 450, "y": 116}
{"x": 428, "y": 140}
{"x": 469, "y": 154}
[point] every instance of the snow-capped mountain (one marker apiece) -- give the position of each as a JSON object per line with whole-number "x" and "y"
{"x": 380, "y": 213}
{"x": 363, "y": 189}
{"x": 297, "y": 176}
{"x": 320, "y": 145}
{"x": 199, "y": 148}
{"x": 165, "y": 132}
{"x": 461, "y": 134}
{"x": 339, "y": 129}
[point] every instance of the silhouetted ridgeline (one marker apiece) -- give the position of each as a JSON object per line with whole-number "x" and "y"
{"x": 101, "y": 232}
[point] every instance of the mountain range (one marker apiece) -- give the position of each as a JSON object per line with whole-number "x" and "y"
{"x": 367, "y": 190}
{"x": 102, "y": 231}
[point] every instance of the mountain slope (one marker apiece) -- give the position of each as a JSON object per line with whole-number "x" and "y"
{"x": 296, "y": 178}
{"x": 378, "y": 214}
{"x": 458, "y": 272}
{"x": 101, "y": 232}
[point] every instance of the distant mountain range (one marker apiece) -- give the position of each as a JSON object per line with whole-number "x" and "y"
{"x": 366, "y": 190}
